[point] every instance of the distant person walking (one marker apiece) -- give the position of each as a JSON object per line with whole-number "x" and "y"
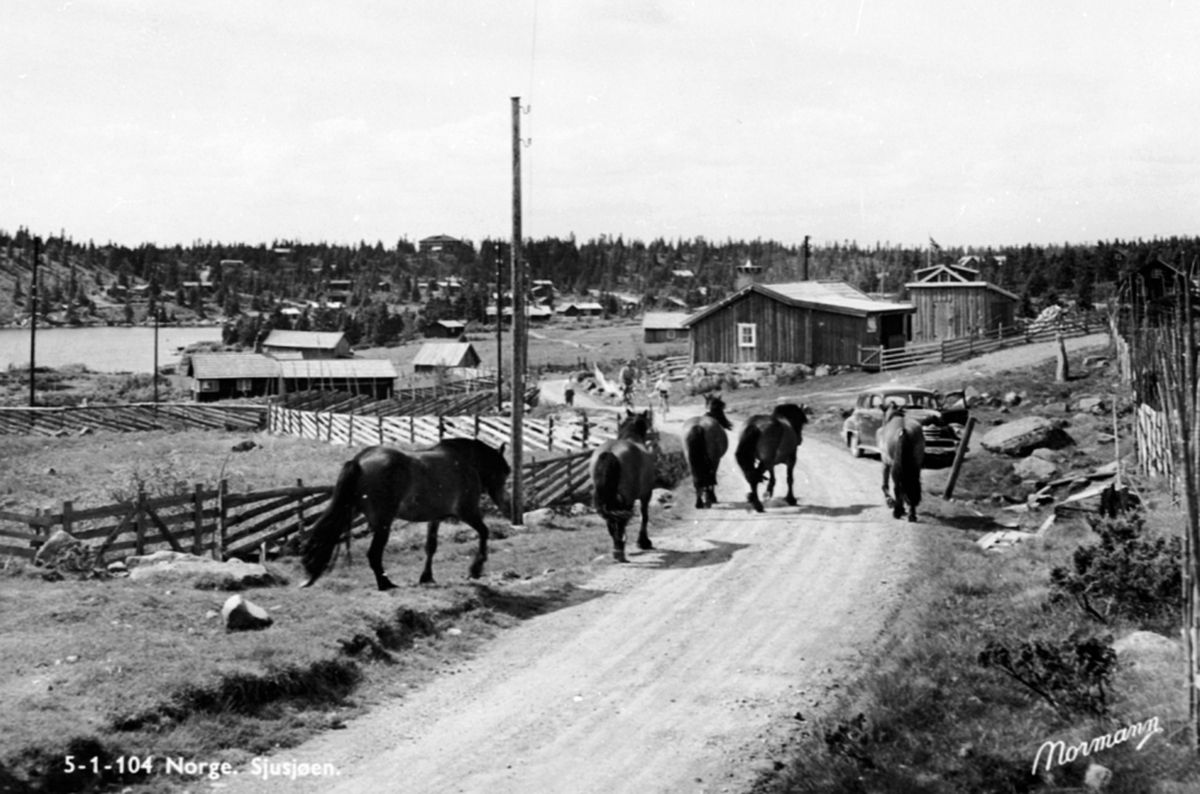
{"x": 569, "y": 395}
{"x": 663, "y": 390}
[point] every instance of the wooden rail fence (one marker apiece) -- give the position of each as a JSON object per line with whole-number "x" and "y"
{"x": 877, "y": 358}
{"x": 130, "y": 417}
{"x": 579, "y": 433}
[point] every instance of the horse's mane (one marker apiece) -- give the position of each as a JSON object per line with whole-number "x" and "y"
{"x": 716, "y": 409}
{"x": 792, "y": 413}
{"x": 635, "y": 426}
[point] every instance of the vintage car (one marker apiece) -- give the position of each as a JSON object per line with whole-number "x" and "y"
{"x": 943, "y": 418}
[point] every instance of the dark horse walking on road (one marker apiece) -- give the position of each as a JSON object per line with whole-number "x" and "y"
{"x": 623, "y": 473}
{"x": 446, "y": 480}
{"x": 901, "y": 443}
{"x": 766, "y": 442}
{"x": 705, "y": 443}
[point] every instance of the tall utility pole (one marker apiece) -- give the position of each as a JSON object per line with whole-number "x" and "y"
{"x": 518, "y": 334}
{"x": 499, "y": 327}
{"x": 33, "y": 309}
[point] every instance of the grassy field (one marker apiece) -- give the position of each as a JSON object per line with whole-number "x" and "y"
{"x": 114, "y": 668}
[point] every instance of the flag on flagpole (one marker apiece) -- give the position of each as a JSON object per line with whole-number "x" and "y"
{"x": 933, "y": 245}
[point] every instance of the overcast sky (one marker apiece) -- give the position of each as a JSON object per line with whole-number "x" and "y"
{"x": 976, "y": 123}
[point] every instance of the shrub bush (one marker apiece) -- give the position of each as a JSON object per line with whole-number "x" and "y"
{"x": 1071, "y": 676}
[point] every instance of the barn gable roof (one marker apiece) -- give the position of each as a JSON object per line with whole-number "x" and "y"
{"x": 664, "y": 321}
{"x": 832, "y": 296}
{"x": 223, "y": 366}
{"x": 446, "y": 354}
{"x": 338, "y": 368}
{"x": 315, "y": 340}
{"x": 954, "y": 277}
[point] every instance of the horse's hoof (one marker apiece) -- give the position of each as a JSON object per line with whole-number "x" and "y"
{"x": 646, "y": 545}
{"x": 912, "y": 519}
{"x": 619, "y": 556}
{"x": 309, "y": 583}
{"x": 387, "y": 584}
{"x": 791, "y": 501}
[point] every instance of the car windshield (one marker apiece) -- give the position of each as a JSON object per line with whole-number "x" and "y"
{"x": 911, "y": 399}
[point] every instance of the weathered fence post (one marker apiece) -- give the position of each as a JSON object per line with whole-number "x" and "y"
{"x": 550, "y": 432}
{"x": 140, "y": 524}
{"x": 412, "y": 429}
{"x": 222, "y": 519}
{"x": 380, "y": 420}
{"x": 441, "y": 427}
{"x": 476, "y": 425}
{"x": 67, "y": 521}
{"x": 197, "y": 519}
{"x": 585, "y": 432}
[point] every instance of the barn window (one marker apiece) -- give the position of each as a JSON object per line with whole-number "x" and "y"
{"x": 243, "y": 384}
{"x": 747, "y": 335}
{"x": 670, "y": 334}
{"x": 208, "y": 385}
{"x": 872, "y": 327}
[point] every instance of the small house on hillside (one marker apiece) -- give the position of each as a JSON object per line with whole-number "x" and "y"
{"x": 952, "y": 302}
{"x": 443, "y": 244}
{"x": 373, "y": 377}
{"x": 581, "y": 309}
{"x": 224, "y": 376}
{"x": 804, "y": 322}
{"x": 435, "y": 356}
{"x": 446, "y": 329}
{"x": 664, "y": 327}
{"x": 306, "y": 344}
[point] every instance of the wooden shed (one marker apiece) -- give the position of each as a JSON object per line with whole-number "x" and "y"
{"x": 952, "y": 302}
{"x": 306, "y": 344}
{"x": 664, "y": 327}
{"x": 224, "y": 376}
{"x": 445, "y": 355}
{"x": 803, "y": 322}
{"x": 375, "y": 377}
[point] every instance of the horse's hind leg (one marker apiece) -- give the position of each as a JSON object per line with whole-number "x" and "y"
{"x": 791, "y": 496}
{"x": 887, "y": 475}
{"x": 481, "y": 553}
{"x": 643, "y": 540}
{"x": 380, "y": 533}
{"x": 617, "y": 530}
{"x": 769, "y": 491}
{"x": 431, "y": 544}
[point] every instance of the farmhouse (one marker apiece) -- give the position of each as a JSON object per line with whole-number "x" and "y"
{"x": 223, "y": 376}
{"x": 664, "y": 327}
{"x": 375, "y": 377}
{"x": 306, "y": 344}
{"x": 581, "y": 309}
{"x": 443, "y": 244}
{"x": 445, "y": 355}
{"x": 446, "y": 329}
{"x": 804, "y": 322}
{"x": 951, "y": 302}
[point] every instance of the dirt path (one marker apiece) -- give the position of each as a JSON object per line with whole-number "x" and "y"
{"x": 685, "y": 671}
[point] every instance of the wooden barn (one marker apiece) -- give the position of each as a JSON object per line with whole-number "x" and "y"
{"x": 664, "y": 327}
{"x": 225, "y": 376}
{"x": 804, "y": 322}
{"x": 446, "y": 329}
{"x": 306, "y": 344}
{"x": 374, "y": 377}
{"x": 952, "y": 302}
{"x": 445, "y": 355}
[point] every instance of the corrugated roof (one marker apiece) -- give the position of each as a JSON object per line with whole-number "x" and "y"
{"x": 331, "y": 368}
{"x": 837, "y": 296}
{"x": 222, "y": 366}
{"x": 445, "y": 354}
{"x": 322, "y": 340}
{"x": 671, "y": 321}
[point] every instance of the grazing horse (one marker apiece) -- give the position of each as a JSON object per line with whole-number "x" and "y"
{"x": 705, "y": 443}
{"x": 767, "y": 441}
{"x": 623, "y": 472}
{"x": 901, "y": 443}
{"x": 446, "y": 480}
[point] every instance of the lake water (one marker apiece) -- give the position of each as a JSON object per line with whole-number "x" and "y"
{"x": 101, "y": 349}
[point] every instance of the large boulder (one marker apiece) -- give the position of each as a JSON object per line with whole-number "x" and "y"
{"x": 242, "y": 615}
{"x": 201, "y": 572}
{"x": 1021, "y": 436}
{"x": 59, "y": 545}
{"x": 1035, "y": 468}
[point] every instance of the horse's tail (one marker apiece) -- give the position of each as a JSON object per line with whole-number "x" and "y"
{"x": 328, "y": 529}
{"x": 906, "y": 466}
{"x": 703, "y": 470}
{"x": 746, "y": 453}
{"x": 606, "y": 481}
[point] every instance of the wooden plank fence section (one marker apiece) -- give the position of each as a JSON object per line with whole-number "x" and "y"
{"x": 875, "y": 358}
{"x": 1152, "y": 433}
{"x": 546, "y": 435}
{"x": 131, "y": 417}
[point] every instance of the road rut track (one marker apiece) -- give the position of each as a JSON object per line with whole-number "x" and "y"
{"x": 684, "y": 671}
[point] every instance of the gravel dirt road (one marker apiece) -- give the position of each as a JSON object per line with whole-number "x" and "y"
{"x": 685, "y": 670}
